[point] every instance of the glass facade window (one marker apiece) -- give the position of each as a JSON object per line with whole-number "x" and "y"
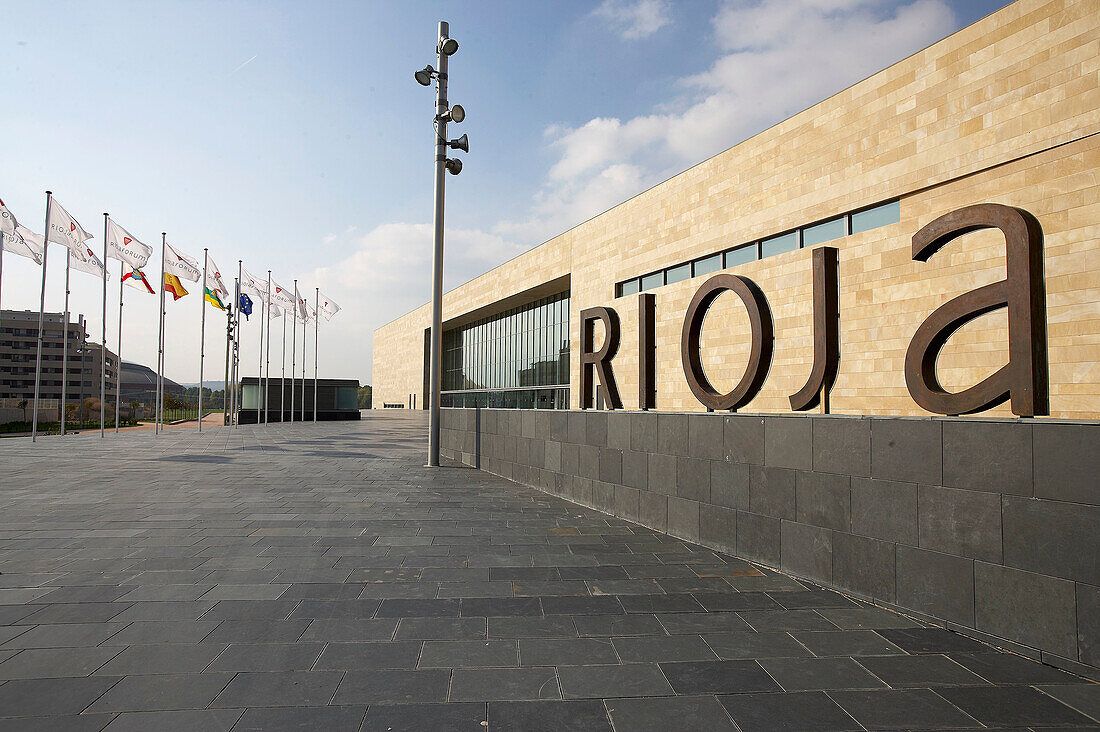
{"x": 779, "y": 244}
{"x": 629, "y": 287}
{"x": 497, "y": 360}
{"x": 677, "y": 274}
{"x": 653, "y": 280}
{"x": 707, "y": 265}
{"x": 741, "y": 255}
{"x": 872, "y": 218}
{"x": 826, "y": 231}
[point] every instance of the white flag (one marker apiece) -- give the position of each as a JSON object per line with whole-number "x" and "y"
{"x": 122, "y": 245}
{"x": 280, "y": 296}
{"x": 253, "y": 286}
{"x": 90, "y": 264}
{"x": 274, "y": 311}
{"x": 302, "y": 315}
{"x": 25, "y": 243}
{"x": 327, "y": 307}
{"x": 65, "y": 230}
{"x": 181, "y": 265}
{"x": 214, "y": 279}
{"x": 7, "y": 220}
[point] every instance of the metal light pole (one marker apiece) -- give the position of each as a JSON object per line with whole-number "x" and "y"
{"x": 445, "y": 47}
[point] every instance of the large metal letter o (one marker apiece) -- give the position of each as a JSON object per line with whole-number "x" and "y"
{"x": 760, "y": 354}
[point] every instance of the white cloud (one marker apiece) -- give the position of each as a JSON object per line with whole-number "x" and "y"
{"x": 777, "y": 58}
{"x": 634, "y": 20}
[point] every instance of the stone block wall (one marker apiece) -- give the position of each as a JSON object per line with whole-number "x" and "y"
{"x": 987, "y": 526}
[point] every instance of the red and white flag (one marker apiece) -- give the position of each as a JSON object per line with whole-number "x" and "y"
{"x": 327, "y": 307}
{"x": 65, "y": 230}
{"x": 135, "y": 278}
{"x": 274, "y": 311}
{"x": 89, "y": 264}
{"x": 253, "y": 285}
{"x": 7, "y": 220}
{"x": 25, "y": 243}
{"x": 281, "y": 297}
{"x": 181, "y": 265}
{"x": 214, "y": 279}
{"x": 122, "y": 245}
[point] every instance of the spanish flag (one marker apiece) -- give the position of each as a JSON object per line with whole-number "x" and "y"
{"x": 213, "y": 299}
{"x": 173, "y": 285}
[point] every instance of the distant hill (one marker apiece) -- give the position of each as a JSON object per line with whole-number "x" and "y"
{"x": 209, "y": 384}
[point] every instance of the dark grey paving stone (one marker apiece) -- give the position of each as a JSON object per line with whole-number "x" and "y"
{"x": 330, "y": 719}
{"x": 807, "y": 711}
{"x": 810, "y": 599}
{"x": 718, "y": 677}
{"x": 787, "y": 620}
{"x": 454, "y": 717}
{"x": 441, "y": 629}
{"x": 755, "y": 645}
{"x": 931, "y": 640}
{"x": 167, "y": 631}
{"x": 85, "y": 594}
{"x": 1010, "y": 705}
{"x": 565, "y": 651}
{"x": 625, "y": 625}
{"x": 902, "y": 709}
{"x": 1005, "y": 668}
{"x": 469, "y": 654}
{"x": 504, "y": 684}
{"x": 873, "y": 618}
{"x": 549, "y": 716}
{"x": 717, "y": 622}
{"x": 267, "y": 657}
{"x": 83, "y": 612}
{"x": 556, "y": 626}
{"x": 214, "y": 720}
{"x": 672, "y": 648}
{"x": 71, "y": 723}
{"x": 538, "y": 588}
{"x": 161, "y": 659}
{"x": 1085, "y": 698}
{"x": 595, "y": 573}
{"x": 922, "y": 670}
{"x": 659, "y": 714}
{"x": 659, "y": 603}
{"x": 42, "y": 663}
{"x": 399, "y": 608}
{"x": 812, "y": 674}
{"x": 369, "y": 655}
{"x": 476, "y": 590}
{"x": 626, "y": 680}
{"x": 41, "y": 697}
{"x": 257, "y": 631}
{"x": 250, "y": 610}
{"x": 161, "y": 692}
{"x": 581, "y": 606}
{"x": 714, "y": 602}
{"x": 393, "y": 686}
{"x": 334, "y": 609}
{"x": 165, "y": 611}
{"x": 65, "y": 636}
{"x": 283, "y": 689}
{"x": 846, "y": 643}
{"x": 323, "y": 591}
{"x": 501, "y": 607}
{"x": 521, "y": 574}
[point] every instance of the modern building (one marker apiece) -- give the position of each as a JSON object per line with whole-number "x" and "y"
{"x": 337, "y": 399}
{"x": 891, "y": 303}
{"x": 18, "y": 354}
{"x": 139, "y": 384}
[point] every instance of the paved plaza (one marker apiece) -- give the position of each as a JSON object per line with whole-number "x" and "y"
{"x": 319, "y": 577}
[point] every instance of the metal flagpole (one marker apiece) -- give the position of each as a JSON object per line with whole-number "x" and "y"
{"x": 158, "y": 418}
{"x": 202, "y": 326}
{"x": 225, "y": 384}
{"x": 282, "y": 382}
{"x": 2, "y": 278}
{"x": 237, "y": 347}
{"x": 118, "y": 373}
{"x": 293, "y": 349}
{"x": 267, "y": 378}
{"x": 41, "y": 312}
{"x": 316, "y": 324}
{"x": 103, "y": 350}
{"x": 305, "y": 352}
{"x": 261, "y": 402}
{"x": 65, "y": 345}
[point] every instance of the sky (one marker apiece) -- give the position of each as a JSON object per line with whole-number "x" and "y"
{"x": 292, "y": 135}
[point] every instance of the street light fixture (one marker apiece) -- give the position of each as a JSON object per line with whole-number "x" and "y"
{"x": 445, "y": 47}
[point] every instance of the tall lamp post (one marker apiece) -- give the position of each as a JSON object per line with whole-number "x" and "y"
{"x": 444, "y": 49}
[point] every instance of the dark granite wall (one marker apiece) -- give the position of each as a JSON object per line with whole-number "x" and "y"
{"x": 988, "y": 526}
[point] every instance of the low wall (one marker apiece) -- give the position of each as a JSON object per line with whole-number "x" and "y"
{"x": 989, "y": 527}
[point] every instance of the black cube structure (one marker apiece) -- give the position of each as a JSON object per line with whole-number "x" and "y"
{"x": 336, "y": 399}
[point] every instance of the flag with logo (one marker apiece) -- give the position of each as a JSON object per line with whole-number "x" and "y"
{"x": 122, "y": 245}
{"x": 7, "y": 220}
{"x": 173, "y": 285}
{"x": 274, "y": 311}
{"x": 254, "y": 286}
{"x": 302, "y": 314}
{"x": 211, "y": 296}
{"x": 135, "y": 278}
{"x": 280, "y": 296}
{"x": 181, "y": 265}
{"x": 327, "y": 307}
{"x": 25, "y": 243}
{"x": 89, "y": 264}
{"x": 214, "y": 280}
{"x": 65, "y": 230}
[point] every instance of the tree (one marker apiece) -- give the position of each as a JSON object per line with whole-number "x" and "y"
{"x": 23, "y": 405}
{"x": 365, "y": 395}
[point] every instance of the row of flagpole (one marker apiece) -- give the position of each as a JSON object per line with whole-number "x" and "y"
{"x": 63, "y": 229}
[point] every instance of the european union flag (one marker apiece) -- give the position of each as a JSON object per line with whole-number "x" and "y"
{"x": 246, "y": 305}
